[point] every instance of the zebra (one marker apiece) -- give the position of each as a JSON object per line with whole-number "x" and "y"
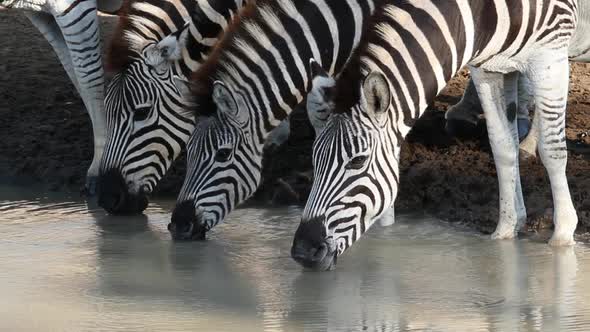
{"x": 414, "y": 49}
{"x": 468, "y": 110}
{"x": 157, "y": 46}
{"x": 71, "y": 28}
{"x": 252, "y": 80}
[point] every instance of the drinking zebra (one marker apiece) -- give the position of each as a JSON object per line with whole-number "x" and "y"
{"x": 468, "y": 110}
{"x": 71, "y": 28}
{"x": 415, "y": 47}
{"x": 158, "y": 44}
{"x": 253, "y": 79}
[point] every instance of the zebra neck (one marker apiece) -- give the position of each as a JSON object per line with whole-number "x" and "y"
{"x": 209, "y": 19}
{"x": 266, "y": 58}
{"x": 419, "y": 46}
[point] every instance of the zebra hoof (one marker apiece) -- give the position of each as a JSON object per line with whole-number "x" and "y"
{"x": 562, "y": 240}
{"x": 504, "y": 233}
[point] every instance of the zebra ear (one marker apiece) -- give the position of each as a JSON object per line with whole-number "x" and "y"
{"x": 227, "y": 105}
{"x": 168, "y": 49}
{"x": 376, "y": 96}
{"x": 320, "y": 96}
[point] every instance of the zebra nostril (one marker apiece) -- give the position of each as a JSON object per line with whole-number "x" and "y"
{"x": 188, "y": 229}
{"x": 320, "y": 252}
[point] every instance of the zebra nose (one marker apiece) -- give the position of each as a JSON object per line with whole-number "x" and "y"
{"x": 114, "y": 197}
{"x": 111, "y": 191}
{"x": 311, "y": 248}
{"x": 185, "y": 224}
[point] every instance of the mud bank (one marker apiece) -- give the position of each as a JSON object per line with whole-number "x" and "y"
{"x": 46, "y": 138}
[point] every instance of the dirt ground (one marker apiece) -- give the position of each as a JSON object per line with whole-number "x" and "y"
{"x": 46, "y": 139}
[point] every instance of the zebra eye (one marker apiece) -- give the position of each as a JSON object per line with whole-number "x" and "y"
{"x": 223, "y": 154}
{"x": 141, "y": 113}
{"x": 357, "y": 162}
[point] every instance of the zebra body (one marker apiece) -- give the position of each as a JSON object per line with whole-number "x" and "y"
{"x": 71, "y": 28}
{"x": 254, "y": 78}
{"x": 415, "y": 48}
{"x": 468, "y": 110}
{"x": 157, "y": 46}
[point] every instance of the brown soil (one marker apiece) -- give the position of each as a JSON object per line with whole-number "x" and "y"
{"x": 46, "y": 138}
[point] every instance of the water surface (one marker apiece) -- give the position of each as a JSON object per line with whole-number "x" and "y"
{"x": 67, "y": 266}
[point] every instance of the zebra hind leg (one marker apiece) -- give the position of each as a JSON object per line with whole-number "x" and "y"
{"x": 498, "y": 94}
{"x": 528, "y": 146}
{"x": 465, "y": 114}
{"x": 527, "y": 130}
{"x": 549, "y": 75}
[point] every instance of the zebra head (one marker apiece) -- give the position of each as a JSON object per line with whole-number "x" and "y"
{"x": 224, "y": 162}
{"x": 355, "y": 167}
{"x": 147, "y": 123}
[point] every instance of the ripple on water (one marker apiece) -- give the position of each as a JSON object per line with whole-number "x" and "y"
{"x": 63, "y": 266}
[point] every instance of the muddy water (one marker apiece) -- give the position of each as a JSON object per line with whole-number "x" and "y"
{"x": 67, "y": 266}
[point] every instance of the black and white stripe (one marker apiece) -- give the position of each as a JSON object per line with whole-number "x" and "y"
{"x": 71, "y": 28}
{"x": 255, "y": 78}
{"x": 414, "y": 48}
{"x": 159, "y": 45}
{"x": 468, "y": 110}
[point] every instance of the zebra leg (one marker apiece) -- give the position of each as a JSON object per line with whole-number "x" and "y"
{"x": 465, "y": 113}
{"x": 80, "y": 30}
{"x": 527, "y": 129}
{"x": 47, "y": 26}
{"x": 495, "y": 89}
{"x": 523, "y": 119}
{"x": 528, "y": 146}
{"x": 549, "y": 75}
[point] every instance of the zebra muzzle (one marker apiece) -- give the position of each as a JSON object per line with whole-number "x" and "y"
{"x": 185, "y": 224}
{"x": 312, "y": 248}
{"x": 114, "y": 197}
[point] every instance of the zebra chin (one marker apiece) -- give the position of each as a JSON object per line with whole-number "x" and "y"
{"x": 186, "y": 224}
{"x": 312, "y": 248}
{"x": 115, "y": 198}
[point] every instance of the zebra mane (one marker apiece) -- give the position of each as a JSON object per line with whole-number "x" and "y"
{"x": 347, "y": 89}
{"x": 202, "y": 80}
{"x": 135, "y": 30}
{"x": 118, "y": 53}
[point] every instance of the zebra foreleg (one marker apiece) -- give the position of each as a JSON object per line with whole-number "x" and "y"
{"x": 495, "y": 89}
{"x": 549, "y": 76}
{"x": 47, "y": 26}
{"x": 80, "y": 31}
